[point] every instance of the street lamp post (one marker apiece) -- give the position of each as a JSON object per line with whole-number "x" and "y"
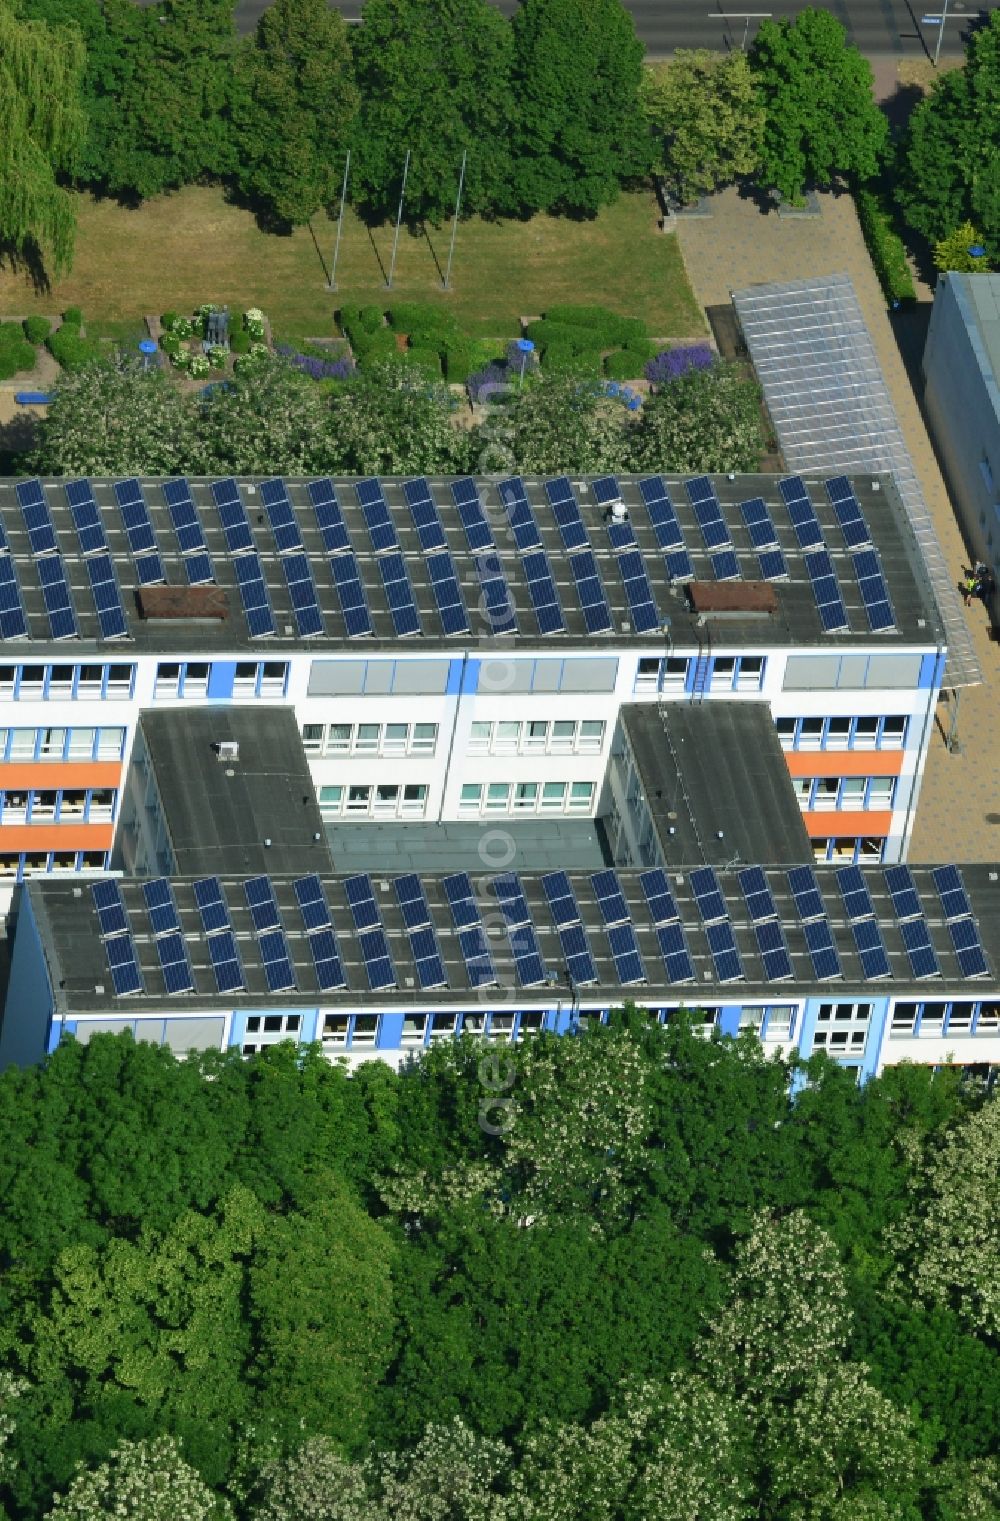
{"x": 940, "y": 21}
{"x": 745, "y": 16}
{"x": 524, "y": 348}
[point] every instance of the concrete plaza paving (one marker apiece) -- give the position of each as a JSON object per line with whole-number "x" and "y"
{"x": 958, "y": 815}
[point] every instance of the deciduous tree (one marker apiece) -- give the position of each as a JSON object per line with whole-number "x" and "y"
{"x": 704, "y": 420}
{"x": 113, "y": 418}
{"x": 434, "y": 77}
{"x": 293, "y": 108}
{"x": 821, "y": 120}
{"x": 149, "y": 1479}
{"x": 578, "y": 130}
{"x": 706, "y": 118}
{"x": 393, "y": 421}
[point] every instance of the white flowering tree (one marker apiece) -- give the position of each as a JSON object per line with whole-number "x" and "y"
{"x": 551, "y": 424}
{"x": 314, "y": 1483}
{"x": 114, "y": 418}
{"x": 572, "y": 1473}
{"x": 147, "y": 1481}
{"x": 451, "y": 1475}
{"x": 704, "y": 420}
{"x": 392, "y": 420}
{"x": 694, "y": 1465}
{"x": 270, "y": 420}
{"x": 950, "y": 1244}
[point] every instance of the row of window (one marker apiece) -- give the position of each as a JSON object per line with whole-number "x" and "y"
{"x": 540, "y": 736}
{"x": 726, "y": 673}
{"x": 940, "y": 1018}
{"x": 369, "y": 739}
{"x": 381, "y": 800}
{"x": 846, "y": 850}
{"x": 191, "y": 678}
{"x": 70, "y": 805}
{"x": 833, "y": 793}
{"x": 33, "y": 863}
{"x": 38, "y": 683}
{"x": 61, "y": 744}
{"x": 360, "y": 1031}
{"x": 868, "y": 733}
{"x": 479, "y": 798}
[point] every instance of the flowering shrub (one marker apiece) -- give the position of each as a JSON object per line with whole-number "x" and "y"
{"x": 253, "y": 321}
{"x": 198, "y": 365}
{"x": 480, "y": 385}
{"x": 672, "y": 363}
{"x": 182, "y": 327}
{"x": 170, "y": 344}
{"x": 217, "y": 356}
{"x": 181, "y": 359}
{"x": 314, "y": 367}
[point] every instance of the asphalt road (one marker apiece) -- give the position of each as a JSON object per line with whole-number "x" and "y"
{"x": 880, "y": 28}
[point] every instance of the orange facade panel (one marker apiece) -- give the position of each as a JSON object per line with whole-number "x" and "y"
{"x": 36, "y": 837}
{"x": 849, "y": 823}
{"x": 49, "y": 776}
{"x": 844, "y": 762}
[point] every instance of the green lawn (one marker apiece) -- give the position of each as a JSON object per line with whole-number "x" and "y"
{"x": 180, "y": 250}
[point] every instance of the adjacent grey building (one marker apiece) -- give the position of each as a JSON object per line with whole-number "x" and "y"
{"x": 962, "y": 398}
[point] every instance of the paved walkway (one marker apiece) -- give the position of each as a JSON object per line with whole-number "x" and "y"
{"x": 958, "y": 816}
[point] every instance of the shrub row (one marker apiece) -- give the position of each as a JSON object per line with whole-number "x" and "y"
{"x": 16, "y": 353}
{"x": 609, "y": 329}
{"x": 68, "y": 346}
{"x": 885, "y": 247}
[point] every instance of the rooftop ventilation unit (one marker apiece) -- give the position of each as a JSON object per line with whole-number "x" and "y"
{"x": 229, "y": 750}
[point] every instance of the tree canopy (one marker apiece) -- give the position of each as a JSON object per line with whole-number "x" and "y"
{"x": 820, "y": 117}
{"x": 706, "y": 118}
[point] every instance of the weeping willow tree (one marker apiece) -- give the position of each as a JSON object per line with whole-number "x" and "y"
{"x": 42, "y": 131}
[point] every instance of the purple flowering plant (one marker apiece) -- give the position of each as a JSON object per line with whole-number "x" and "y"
{"x": 670, "y": 364}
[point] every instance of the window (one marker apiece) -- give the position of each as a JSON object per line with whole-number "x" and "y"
{"x": 563, "y": 736}
{"x": 553, "y": 797}
{"x": 386, "y": 799}
{"x": 414, "y": 800}
{"x": 674, "y": 677}
{"x": 196, "y": 679}
{"x": 786, "y": 732}
{"x": 497, "y": 797}
{"x": 414, "y": 1029}
{"x": 480, "y": 735}
{"x": 811, "y": 734}
{"x": 395, "y": 739}
{"x": 331, "y": 801}
{"x": 881, "y": 790}
{"x": 424, "y": 739}
{"x": 507, "y": 737}
{"x": 367, "y": 741}
{"x": 591, "y": 737}
{"x": 749, "y": 673}
{"x": 15, "y": 807}
{"x": 312, "y": 739}
{"x": 471, "y": 798}
{"x": 61, "y": 680}
{"x": 102, "y": 803}
{"x": 81, "y": 743}
{"x": 825, "y": 793}
{"x": 273, "y": 678}
{"x": 723, "y": 672}
{"x": 32, "y": 683}
{"x": 838, "y": 733}
{"x": 245, "y": 680}
{"x": 91, "y": 681}
{"x": 119, "y": 681}
{"x": 647, "y": 675}
{"x": 365, "y": 1030}
{"x": 22, "y": 744}
{"x": 110, "y": 742}
{"x": 335, "y": 1028}
{"x": 530, "y": 1024}
{"x": 536, "y": 733}
{"x": 168, "y": 680}
{"x": 932, "y": 1017}
{"x": 842, "y": 1028}
{"x": 525, "y": 797}
{"x": 852, "y": 792}
{"x": 73, "y": 805}
{"x": 803, "y": 786}
{"x": 865, "y": 733}
{"x": 501, "y": 1026}
{"x": 473, "y": 1024}
{"x": 443, "y": 1026}
{"x": 960, "y": 1018}
{"x": 358, "y": 799}
{"x": 778, "y": 1022}
{"x": 893, "y": 733}
{"x": 338, "y": 739}
{"x": 53, "y": 744}
{"x": 43, "y": 806}
{"x": 581, "y": 797}
{"x": 8, "y": 676}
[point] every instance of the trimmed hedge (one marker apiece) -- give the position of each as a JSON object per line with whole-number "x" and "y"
{"x": 421, "y": 317}
{"x": 16, "y": 357}
{"x": 369, "y": 347}
{"x": 460, "y": 359}
{"x": 608, "y": 327}
{"x": 581, "y": 340}
{"x": 623, "y": 364}
{"x": 69, "y": 349}
{"x": 885, "y": 247}
{"x": 239, "y": 341}
{"x": 73, "y": 316}
{"x": 427, "y": 360}
{"x": 559, "y": 360}
{"x": 37, "y": 329}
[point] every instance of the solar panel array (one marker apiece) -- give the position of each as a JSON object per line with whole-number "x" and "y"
{"x": 246, "y": 561}
{"x": 116, "y": 938}
{"x": 521, "y": 932}
{"x": 419, "y": 926}
{"x": 569, "y": 926}
{"x": 815, "y": 924}
{"x": 139, "y": 531}
{"x": 342, "y": 559}
{"x": 48, "y": 561}
{"x": 372, "y": 940}
{"x": 190, "y": 534}
{"x": 322, "y": 941}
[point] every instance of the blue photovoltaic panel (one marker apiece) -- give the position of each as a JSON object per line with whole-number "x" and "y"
{"x": 725, "y": 566}
{"x": 225, "y": 959}
{"x": 253, "y": 592}
{"x": 822, "y": 951}
{"x": 262, "y": 903}
{"x": 111, "y": 915}
{"x": 801, "y": 512}
{"x": 542, "y": 591}
{"x": 760, "y": 903}
{"x": 509, "y": 894}
{"x": 37, "y": 520}
{"x": 707, "y": 509}
{"x": 107, "y": 597}
{"x": 447, "y": 593}
{"x": 642, "y": 604}
{"x": 329, "y": 517}
{"x": 378, "y": 519}
{"x": 951, "y": 891}
{"x": 399, "y": 594}
{"x": 361, "y": 902}
{"x": 968, "y": 947}
{"x": 871, "y": 948}
{"x": 471, "y": 935}
{"x": 426, "y": 518}
{"x": 56, "y": 596}
{"x": 610, "y": 898}
{"x": 832, "y": 612}
{"x": 659, "y": 898}
{"x": 353, "y": 602}
{"x": 725, "y": 955}
{"x": 805, "y": 890}
{"x": 577, "y": 954}
{"x": 319, "y": 931}
{"x": 302, "y": 593}
{"x": 412, "y": 901}
{"x": 461, "y": 900}
{"x": 187, "y": 527}
{"x": 478, "y": 533}
{"x": 759, "y": 523}
{"x": 13, "y": 618}
{"x": 86, "y": 517}
{"x": 666, "y": 527}
{"x": 420, "y": 929}
{"x": 281, "y": 516}
{"x": 312, "y": 903}
{"x": 520, "y": 517}
{"x": 854, "y": 891}
{"x": 566, "y": 511}
{"x": 621, "y": 536}
{"x": 917, "y": 941}
{"x": 527, "y": 956}
{"x": 848, "y": 512}
{"x": 561, "y": 898}
{"x": 675, "y": 953}
{"x": 211, "y": 905}
{"x": 174, "y": 963}
{"x": 160, "y": 906}
{"x": 606, "y": 490}
{"x": 905, "y": 902}
{"x": 773, "y": 950}
{"x": 874, "y": 591}
{"x": 708, "y": 895}
{"x": 497, "y": 604}
{"x": 593, "y": 603}
{"x": 233, "y": 516}
{"x": 375, "y": 953}
{"x": 277, "y": 963}
{"x": 139, "y": 531}
{"x": 124, "y": 967}
{"x": 626, "y": 954}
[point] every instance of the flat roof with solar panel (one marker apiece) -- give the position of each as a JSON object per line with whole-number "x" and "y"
{"x": 375, "y": 940}
{"x": 429, "y": 560}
